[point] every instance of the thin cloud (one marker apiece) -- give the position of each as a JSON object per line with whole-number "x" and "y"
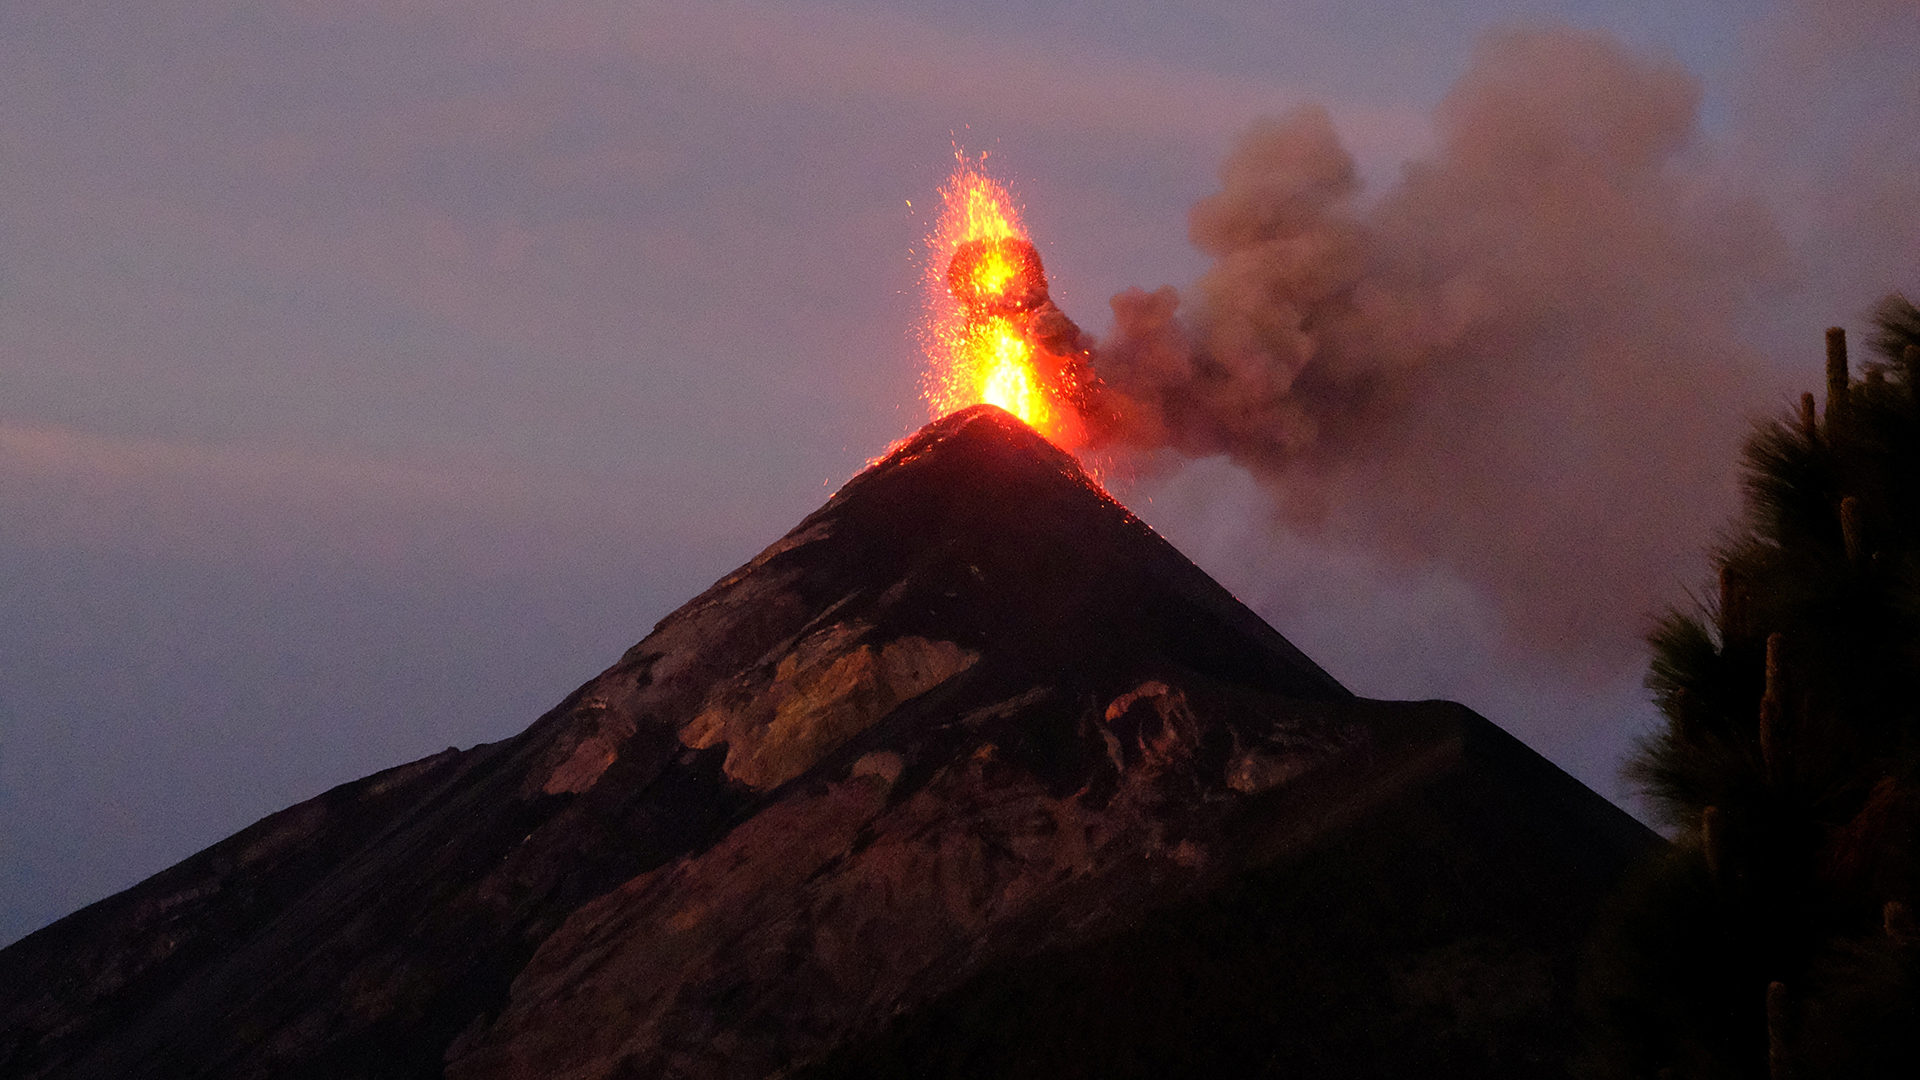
{"x": 265, "y": 504}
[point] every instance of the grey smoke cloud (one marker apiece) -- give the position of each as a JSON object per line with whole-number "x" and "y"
{"x": 1522, "y": 362}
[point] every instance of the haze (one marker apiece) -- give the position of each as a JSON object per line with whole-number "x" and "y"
{"x": 373, "y": 374}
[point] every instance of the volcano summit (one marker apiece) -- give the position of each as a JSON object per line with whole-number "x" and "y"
{"x": 970, "y": 774}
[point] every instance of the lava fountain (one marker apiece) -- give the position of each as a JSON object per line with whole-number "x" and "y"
{"x": 992, "y": 333}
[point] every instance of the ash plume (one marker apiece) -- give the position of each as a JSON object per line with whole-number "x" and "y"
{"x": 1522, "y": 362}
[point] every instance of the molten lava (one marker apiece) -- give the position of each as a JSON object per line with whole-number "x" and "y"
{"x": 997, "y": 276}
{"x": 993, "y": 335}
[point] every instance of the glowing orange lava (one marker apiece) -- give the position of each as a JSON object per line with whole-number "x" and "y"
{"x": 986, "y": 309}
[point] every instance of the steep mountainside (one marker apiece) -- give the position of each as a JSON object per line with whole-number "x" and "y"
{"x": 970, "y": 774}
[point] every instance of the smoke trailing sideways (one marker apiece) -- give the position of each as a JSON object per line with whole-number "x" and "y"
{"x": 1522, "y": 362}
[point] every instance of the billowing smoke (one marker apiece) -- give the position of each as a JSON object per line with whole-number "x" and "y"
{"x": 1523, "y": 361}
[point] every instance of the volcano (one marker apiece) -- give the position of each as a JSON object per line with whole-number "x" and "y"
{"x": 971, "y": 774}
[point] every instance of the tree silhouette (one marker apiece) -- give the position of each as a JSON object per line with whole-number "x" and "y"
{"x": 1777, "y": 939}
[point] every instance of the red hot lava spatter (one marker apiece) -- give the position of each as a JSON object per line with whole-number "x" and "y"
{"x": 992, "y": 334}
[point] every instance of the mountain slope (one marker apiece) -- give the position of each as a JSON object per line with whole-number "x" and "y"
{"x": 968, "y": 726}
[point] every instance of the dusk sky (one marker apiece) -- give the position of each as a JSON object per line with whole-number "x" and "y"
{"x": 373, "y": 374}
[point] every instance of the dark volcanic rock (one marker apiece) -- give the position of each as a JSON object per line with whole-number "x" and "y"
{"x": 971, "y": 774}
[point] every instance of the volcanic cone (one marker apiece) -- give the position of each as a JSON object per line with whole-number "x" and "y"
{"x": 970, "y": 774}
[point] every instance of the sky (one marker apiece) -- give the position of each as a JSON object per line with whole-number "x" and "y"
{"x": 373, "y": 374}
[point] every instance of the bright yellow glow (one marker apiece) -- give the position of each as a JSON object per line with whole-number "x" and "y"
{"x": 977, "y": 353}
{"x": 1007, "y": 377}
